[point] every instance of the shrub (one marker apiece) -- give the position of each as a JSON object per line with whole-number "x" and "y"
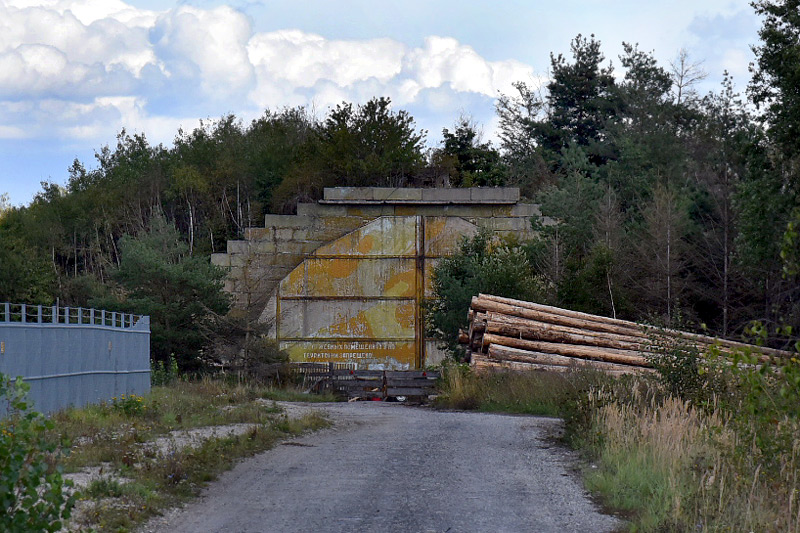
{"x": 32, "y": 496}
{"x": 483, "y": 264}
{"x": 241, "y": 345}
{"x": 685, "y": 371}
{"x": 164, "y": 374}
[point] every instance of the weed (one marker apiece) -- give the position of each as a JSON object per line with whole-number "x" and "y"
{"x": 112, "y": 433}
{"x": 129, "y": 405}
{"x": 712, "y": 443}
{"x": 290, "y": 394}
{"x": 104, "y": 487}
{"x": 538, "y": 393}
{"x": 164, "y": 374}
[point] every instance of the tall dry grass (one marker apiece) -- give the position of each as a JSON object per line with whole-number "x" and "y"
{"x": 716, "y": 458}
{"x": 538, "y": 393}
{"x": 675, "y": 467}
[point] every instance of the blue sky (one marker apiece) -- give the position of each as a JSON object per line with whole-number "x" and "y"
{"x": 75, "y": 72}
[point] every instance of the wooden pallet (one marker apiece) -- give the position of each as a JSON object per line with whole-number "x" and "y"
{"x": 382, "y": 384}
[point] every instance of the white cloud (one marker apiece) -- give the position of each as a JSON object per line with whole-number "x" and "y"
{"x": 83, "y": 69}
{"x": 302, "y": 59}
{"x": 208, "y": 44}
{"x": 88, "y": 11}
{"x": 36, "y": 68}
{"x": 737, "y": 63}
{"x": 79, "y": 70}
{"x": 12, "y": 132}
{"x": 108, "y": 41}
{"x": 289, "y": 60}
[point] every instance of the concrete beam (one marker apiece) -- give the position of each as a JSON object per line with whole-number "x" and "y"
{"x": 494, "y": 194}
{"x": 288, "y": 221}
{"x": 447, "y": 195}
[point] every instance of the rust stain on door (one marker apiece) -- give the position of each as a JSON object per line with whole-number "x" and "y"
{"x": 359, "y": 298}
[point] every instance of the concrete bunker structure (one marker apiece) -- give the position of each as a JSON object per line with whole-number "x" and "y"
{"x": 344, "y": 279}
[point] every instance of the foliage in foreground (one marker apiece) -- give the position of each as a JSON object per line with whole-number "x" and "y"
{"x": 170, "y": 477}
{"x": 141, "y": 480}
{"x": 32, "y": 495}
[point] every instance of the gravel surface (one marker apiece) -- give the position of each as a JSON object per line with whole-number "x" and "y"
{"x": 392, "y": 468}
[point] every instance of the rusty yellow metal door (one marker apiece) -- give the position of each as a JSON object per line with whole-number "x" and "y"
{"x": 358, "y": 299}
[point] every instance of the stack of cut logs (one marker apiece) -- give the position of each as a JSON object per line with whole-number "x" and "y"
{"x": 518, "y": 335}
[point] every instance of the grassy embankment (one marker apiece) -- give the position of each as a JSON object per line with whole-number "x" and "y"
{"x": 140, "y": 480}
{"x": 702, "y": 446}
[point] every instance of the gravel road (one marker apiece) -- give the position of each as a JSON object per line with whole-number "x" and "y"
{"x": 393, "y": 468}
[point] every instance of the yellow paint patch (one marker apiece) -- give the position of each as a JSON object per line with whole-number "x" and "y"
{"x": 401, "y": 284}
{"x": 405, "y": 316}
{"x": 338, "y": 268}
{"x": 366, "y": 244}
{"x": 388, "y": 320}
{"x": 443, "y": 235}
{"x": 434, "y": 227}
{"x": 294, "y": 283}
{"x": 357, "y": 326}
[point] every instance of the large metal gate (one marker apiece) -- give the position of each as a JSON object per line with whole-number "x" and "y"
{"x": 359, "y": 298}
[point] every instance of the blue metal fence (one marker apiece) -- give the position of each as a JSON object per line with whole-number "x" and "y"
{"x": 74, "y": 356}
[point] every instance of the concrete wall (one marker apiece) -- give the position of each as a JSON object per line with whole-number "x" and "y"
{"x": 266, "y": 255}
{"x": 81, "y": 357}
{"x": 359, "y": 318}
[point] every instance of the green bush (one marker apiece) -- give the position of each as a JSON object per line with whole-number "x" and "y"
{"x": 32, "y": 496}
{"x": 164, "y": 374}
{"x": 685, "y": 371}
{"x": 483, "y": 264}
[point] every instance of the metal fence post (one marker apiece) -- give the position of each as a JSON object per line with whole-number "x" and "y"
{"x": 24, "y": 313}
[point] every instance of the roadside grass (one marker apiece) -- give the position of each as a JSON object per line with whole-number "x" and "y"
{"x": 107, "y": 432}
{"x": 140, "y": 480}
{"x": 289, "y": 394}
{"x": 173, "y": 476}
{"x": 534, "y": 393}
{"x": 715, "y": 458}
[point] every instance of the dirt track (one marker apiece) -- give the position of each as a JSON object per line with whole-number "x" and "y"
{"x": 392, "y": 468}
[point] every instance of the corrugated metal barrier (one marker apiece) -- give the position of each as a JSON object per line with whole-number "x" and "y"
{"x": 74, "y": 356}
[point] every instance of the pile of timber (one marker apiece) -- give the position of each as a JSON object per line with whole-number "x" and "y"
{"x": 519, "y": 335}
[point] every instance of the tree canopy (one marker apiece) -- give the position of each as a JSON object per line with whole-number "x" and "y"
{"x": 669, "y": 206}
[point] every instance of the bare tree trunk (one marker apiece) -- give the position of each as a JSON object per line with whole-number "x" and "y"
{"x": 75, "y": 252}
{"x": 238, "y": 210}
{"x": 611, "y": 294}
{"x": 55, "y": 266}
{"x": 191, "y": 226}
{"x": 669, "y": 269}
{"x": 726, "y": 258}
{"x": 725, "y": 275}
